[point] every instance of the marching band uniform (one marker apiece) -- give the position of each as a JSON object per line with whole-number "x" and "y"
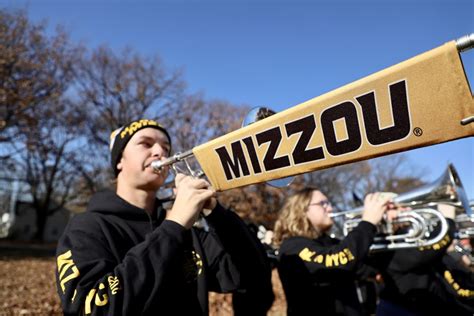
{"x": 115, "y": 259}
{"x": 412, "y": 285}
{"x": 318, "y": 275}
{"x": 459, "y": 282}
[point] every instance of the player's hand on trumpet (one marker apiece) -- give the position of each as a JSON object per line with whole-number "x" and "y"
{"x": 192, "y": 195}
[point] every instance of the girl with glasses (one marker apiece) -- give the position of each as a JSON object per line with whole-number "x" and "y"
{"x": 318, "y": 272}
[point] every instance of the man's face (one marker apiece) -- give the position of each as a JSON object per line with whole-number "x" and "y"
{"x": 145, "y": 146}
{"x": 318, "y": 211}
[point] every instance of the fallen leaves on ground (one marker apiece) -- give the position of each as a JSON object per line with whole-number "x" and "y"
{"x": 27, "y": 287}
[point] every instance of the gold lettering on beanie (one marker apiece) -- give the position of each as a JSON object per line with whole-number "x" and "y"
{"x": 134, "y": 126}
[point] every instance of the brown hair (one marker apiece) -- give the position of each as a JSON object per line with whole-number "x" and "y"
{"x": 292, "y": 220}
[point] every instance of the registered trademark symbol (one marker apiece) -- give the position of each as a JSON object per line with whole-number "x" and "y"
{"x": 417, "y": 131}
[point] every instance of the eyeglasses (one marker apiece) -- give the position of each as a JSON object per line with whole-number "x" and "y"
{"x": 323, "y": 204}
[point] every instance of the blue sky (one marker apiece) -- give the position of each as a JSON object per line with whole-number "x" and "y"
{"x": 276, "y": 53}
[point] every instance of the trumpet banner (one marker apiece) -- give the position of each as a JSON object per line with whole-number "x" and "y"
{"x": 416, "y": 103}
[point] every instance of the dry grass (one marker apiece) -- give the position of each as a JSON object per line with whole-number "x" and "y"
{"x": 27, "y": 287}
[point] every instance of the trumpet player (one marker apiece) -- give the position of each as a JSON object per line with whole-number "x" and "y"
{"x": 127, "y": 255}
{"x": 318, "y": 273}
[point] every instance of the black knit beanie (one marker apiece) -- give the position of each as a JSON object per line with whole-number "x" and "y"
{"x": 120, "y": 137}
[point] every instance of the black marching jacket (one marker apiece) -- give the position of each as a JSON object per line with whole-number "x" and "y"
{"x": 318, "y": 275}
{"x": 417, "y": 279}
{"x": 116, "y": 259}
{"x": 459, "y": 282}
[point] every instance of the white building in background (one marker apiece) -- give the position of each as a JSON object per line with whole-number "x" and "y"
{"x": 24, "y": 224}
{"x": 18, "y": 217}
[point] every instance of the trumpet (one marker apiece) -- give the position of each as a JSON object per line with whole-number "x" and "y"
{"x": 254, "y": 115}
{"x": 423, "y": 220}
{"x": 181, "y": 161}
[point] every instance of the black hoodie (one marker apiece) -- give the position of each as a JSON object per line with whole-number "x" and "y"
{"x": 318, "y": 275}
{"x": 116, "y": 259}
{"x": 412, "y": 278}
{"x": 459, "y": 282}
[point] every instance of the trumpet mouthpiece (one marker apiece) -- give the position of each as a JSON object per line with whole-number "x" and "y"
{"x": 157, "y": 165}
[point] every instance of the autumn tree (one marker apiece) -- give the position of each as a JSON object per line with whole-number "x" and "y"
{"x": 59, "y": 103}
{"x": 114, "y": 89}
{"x": 48, "y": 164}
{"x": 393, "y": 173}
{"x": 34, "y": 69}
{"x": 38, "y": 122}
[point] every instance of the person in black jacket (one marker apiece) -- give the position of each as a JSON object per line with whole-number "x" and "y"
{"x": 126, "y": 255}
{"x": 458, "y": 280}
{"x": 422, "y": 281}
{"x": 318, "y": 272}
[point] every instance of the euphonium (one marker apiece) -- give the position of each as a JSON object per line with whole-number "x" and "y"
{"x": 422, "y": 221}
